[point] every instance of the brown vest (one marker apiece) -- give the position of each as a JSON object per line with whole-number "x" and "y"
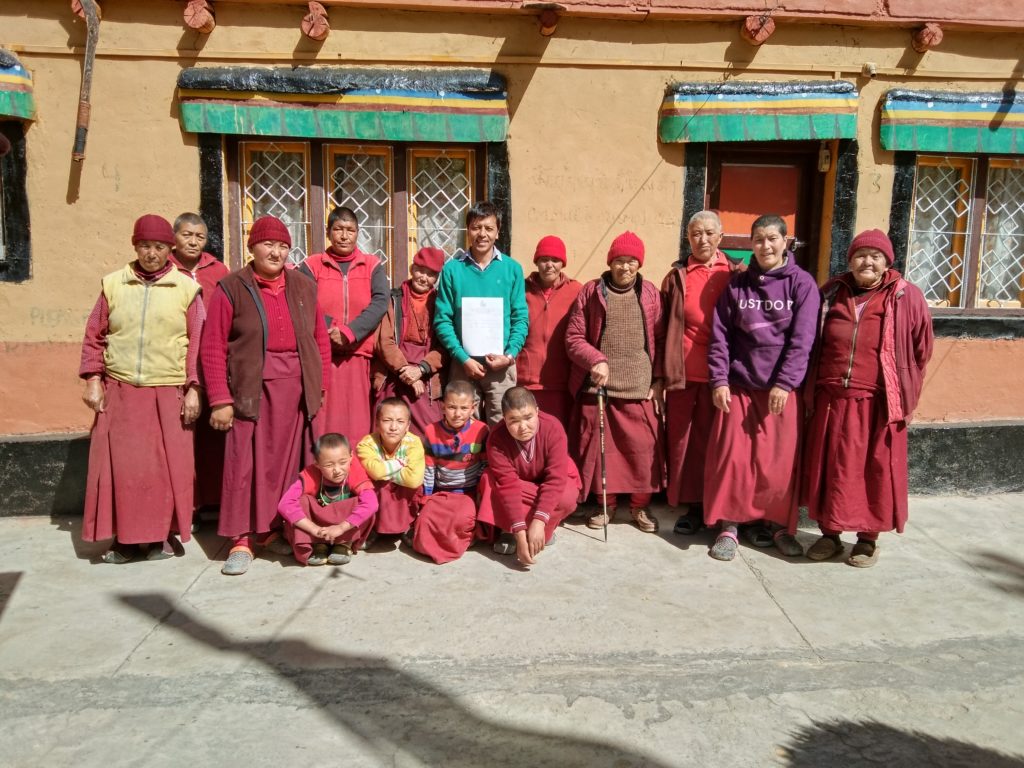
{"x": 247, "y": 339}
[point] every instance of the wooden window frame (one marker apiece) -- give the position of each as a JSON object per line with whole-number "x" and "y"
{"x": 973, "y": 230}
{"x": 317, "y": 167}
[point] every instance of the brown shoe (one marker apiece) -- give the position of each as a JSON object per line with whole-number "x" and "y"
{"x": 600, "y": 519}
{"x": 863, "y": 555}
{"x": 644, "y": 521}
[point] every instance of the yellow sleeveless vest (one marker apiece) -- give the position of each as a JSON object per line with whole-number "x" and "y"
{"x": 147, "y": 341}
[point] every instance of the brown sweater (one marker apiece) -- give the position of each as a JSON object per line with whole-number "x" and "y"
{"x": 629, "y": 365}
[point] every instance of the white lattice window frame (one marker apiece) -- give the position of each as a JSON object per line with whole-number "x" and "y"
{"x": 415, "y": 223}
{"x": 332, "y": 153}
{"x": 246, "y": 150}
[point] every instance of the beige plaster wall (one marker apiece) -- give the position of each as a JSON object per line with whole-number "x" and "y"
{"x": 584, "y": 155}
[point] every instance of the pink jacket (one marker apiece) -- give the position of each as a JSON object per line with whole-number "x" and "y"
{"x": 907, "y": 340}
{"x": 586, "y": 327}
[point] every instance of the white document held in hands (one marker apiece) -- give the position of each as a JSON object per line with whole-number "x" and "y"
{"x": 483, "y": 325}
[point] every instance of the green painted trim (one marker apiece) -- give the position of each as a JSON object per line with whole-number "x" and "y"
{"x": 763, "y": 127}
{"x": 17, "y": 104}
{"x": 744, "y": 256}
{"x": 306, "y": 122}
{"x": 939, "y": 138}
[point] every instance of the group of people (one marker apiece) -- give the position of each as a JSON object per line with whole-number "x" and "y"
{"x": 319, "y": 408}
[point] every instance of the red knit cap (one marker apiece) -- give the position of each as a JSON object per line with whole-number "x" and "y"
{"x": 550, "y": 247}
{"x": 627, "y": 244}
{"x": 152, "y": 227}
{"x": 269, "y": 228}
{"x": 872, "y": 238}
{"x": 429, "y": 258}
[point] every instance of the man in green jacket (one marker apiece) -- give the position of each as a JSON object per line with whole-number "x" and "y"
{"x": 474, "y": 286}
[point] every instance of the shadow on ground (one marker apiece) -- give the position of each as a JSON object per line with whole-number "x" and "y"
{"x": 863, "y": 744}
{"x": 8, "y": 581}
{"x": 391, "y": 711}
{"x": 1007, "y": 572}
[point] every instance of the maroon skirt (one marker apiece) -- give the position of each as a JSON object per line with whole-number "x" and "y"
{"x": 263, "y": 457}
{"x": 751, "y": 470}
{"x": 140, "y": 481}
{"x": 209, "y": 461}
{"x": 688, "y": 416}
{"x": 397, "y": 507}
{"x": 494, "y": 509}
{"x": 347, "y": 404}
{"x": 445, "y": 526}
{"x": 633, "y": 450}
{"x": 855, "y": 465}
{"x": 332, "y": 514}
{"x": 557, "y": 403}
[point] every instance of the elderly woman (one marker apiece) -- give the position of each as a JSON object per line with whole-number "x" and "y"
{"x": 761, "y": 339}
{"x": 408, "y": 357}
{"x": 139, "y": 361}
{"x": 542, "y": 366}
{"x": 690, "y": 291}
{"x": 613, "y": 337}
{"x": 265, "y": 354}
{"x": 864, "y": 384}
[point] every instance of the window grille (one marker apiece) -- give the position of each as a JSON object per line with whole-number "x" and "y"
{"x": 275, "y": 182}
{"x": 440, "y": 193}
{"x": 360, "y": 178}
{"x": 1001, "y": 269}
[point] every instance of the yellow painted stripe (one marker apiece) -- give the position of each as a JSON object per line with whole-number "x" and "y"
{"x": 341, "y": 98}
{"x": 713, "y": 104}
{"x": 16, "y": 79}
{"x": 952, "y": 117}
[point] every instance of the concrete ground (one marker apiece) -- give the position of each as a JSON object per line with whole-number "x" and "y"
{"x": 641, "y": 652}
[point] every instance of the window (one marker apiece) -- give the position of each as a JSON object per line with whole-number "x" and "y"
{"x": 966, "y": 239}
{"x": 14, "y": 220}
{"x": 406, "y": 196}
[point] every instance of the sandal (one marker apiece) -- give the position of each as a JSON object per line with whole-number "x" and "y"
{"x": 119, "y": 554}
{"x": 787, "y": 544}
{"x": 162, "y": 550}
{"x": 725, "y": 546}
{"x": 238, "y": 562}
{"x": 824, "y": 548}
{"x": 690, "y": 523}
{"x": 759, "y": 536}
{"x": 864, "y": 554}
{"x": 643, "y": 520}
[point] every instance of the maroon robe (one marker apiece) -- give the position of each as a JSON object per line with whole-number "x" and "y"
{"x": 752, "y": 468}
{"x": 347, "y": 402}
{"x": 332, "y": 514}
{"x": 141, "y": 434}
{"x": 688, "y": 416}
{"x": 445, "y": 526}
{"x": 397, "y": 506}
{"x": 632, "y": 446}
{"x": 261, "y": 456}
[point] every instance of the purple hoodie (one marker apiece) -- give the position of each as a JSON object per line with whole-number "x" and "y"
{"x": 764, "y": 328}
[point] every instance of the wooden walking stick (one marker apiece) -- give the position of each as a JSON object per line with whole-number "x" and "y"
{"x": 92, "y": 27}
{"x": 601, "y": 393}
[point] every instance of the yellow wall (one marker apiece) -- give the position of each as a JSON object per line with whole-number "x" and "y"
{"x": 584, "y": 156}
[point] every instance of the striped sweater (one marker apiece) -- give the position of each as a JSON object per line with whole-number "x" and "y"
{"x": 454, "y": 459}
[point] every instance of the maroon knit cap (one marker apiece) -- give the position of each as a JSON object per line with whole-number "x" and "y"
{"x": 872, "y": 238}
{"x": 429, "y": 258}
{"x": 627, "y": 244}
{"x": 550, "y": 247}
{"x": 152, "y": 227}
{"x": 269, "y": 228}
